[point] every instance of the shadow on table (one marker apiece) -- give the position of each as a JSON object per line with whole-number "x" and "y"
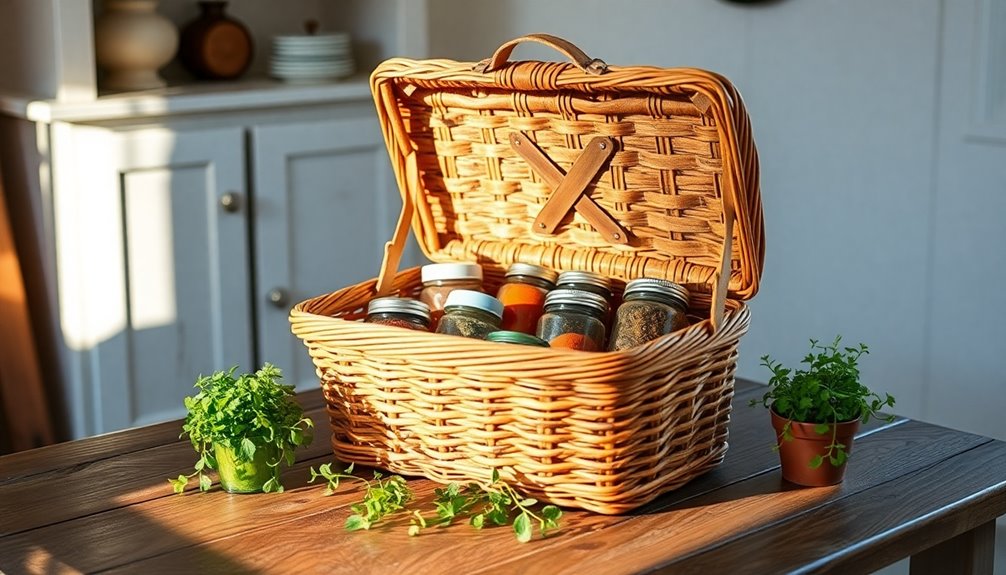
{"x": 101, "y": 530}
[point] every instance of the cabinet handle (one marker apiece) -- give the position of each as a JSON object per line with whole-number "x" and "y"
{"x": 231, "y": 202}
{"x": 278, "y": 297}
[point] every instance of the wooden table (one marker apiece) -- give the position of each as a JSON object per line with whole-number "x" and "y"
{"x": 912, "y": 489}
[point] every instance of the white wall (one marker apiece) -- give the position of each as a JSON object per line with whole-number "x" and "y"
{"x": 27, "y": 28}
{"x": 881, "y": 220}
{"x": 44, "y": 52}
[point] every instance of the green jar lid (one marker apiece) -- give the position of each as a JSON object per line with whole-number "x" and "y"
{"x": 516, "y": 337}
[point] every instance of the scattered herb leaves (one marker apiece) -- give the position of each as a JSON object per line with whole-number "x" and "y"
{"x": 497, "y": 503}
{"x": 383, "y": 497}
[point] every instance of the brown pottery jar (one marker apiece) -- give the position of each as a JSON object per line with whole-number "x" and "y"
{"x": 215, "y": 46}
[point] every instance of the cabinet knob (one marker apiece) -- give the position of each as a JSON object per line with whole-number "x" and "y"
{"x": 231, "y": 202}
{"x": 278, "y": 297}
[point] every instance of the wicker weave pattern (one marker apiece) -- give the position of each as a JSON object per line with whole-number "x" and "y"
{"x": 677, "y": 155}
{"x": 603, "y": 431}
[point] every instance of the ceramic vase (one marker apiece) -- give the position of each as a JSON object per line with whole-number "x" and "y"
{"x": 132, "y": 42}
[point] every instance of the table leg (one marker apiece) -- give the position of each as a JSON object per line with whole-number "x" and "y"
{"x": 970, "y": 553}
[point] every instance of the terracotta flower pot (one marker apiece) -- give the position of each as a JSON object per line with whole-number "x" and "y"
{"x": 797, "y": 453}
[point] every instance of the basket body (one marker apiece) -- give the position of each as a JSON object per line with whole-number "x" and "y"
{"x": 604, "y": 431}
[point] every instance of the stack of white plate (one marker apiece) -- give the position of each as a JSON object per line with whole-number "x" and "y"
{"x": 311, "y": 58}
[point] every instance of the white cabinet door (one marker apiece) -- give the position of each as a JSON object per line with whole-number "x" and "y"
{"x": 153, "y": 269}
{"x": 325, "y": 204}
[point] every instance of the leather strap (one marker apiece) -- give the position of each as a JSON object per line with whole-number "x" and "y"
{"x": 393, "y": 249}
{"x": 582, "y": 61}
{"x": 553, "y": 176}
{"x": 722, "y": 277}
{"x": 574, "y": 184}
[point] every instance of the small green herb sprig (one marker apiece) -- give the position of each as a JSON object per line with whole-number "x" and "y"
{"x": 383, "y": 497}
{"x": 826, "y": 392}
{"x": 497, "y": 503}
{"x": 246, "y": 414}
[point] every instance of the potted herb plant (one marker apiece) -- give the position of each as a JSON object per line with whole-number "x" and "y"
{"x": 245, "y": 428}
{"x": 816, "y": 411}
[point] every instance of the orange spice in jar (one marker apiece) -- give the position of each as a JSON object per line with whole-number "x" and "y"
{"x": 573, "y": 320}
{"x": 523, "y": 296}
{"x": 439, "y": 280}
{"x": 594, "y": 283}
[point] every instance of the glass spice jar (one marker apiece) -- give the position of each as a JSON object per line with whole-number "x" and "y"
{"x": 516, "y": 337}
{"x": 439, "y": 280}
{"x": 650, "y": 308}
{"x": 470, "y": 314}
{"x": 594, "y": 283}
{"x": 399, "y": 312}
{"x": 573, "y": 319}
{"x": 523, "y": 296}
{"x": 586, "y": 281}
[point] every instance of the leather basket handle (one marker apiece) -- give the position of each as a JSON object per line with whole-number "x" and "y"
{"x": 577, "y": 56}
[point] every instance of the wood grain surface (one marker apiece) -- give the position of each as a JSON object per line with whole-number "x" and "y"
{"x": 910, "y": 487}
{"x": 751, "y": 443}
{"x": 69, "y": 492}
{"x": 874, "y": 527}
{"x": 115, "y": 444}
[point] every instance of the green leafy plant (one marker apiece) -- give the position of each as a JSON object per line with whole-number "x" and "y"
{"x": 497, "y": 503}
{"x": 246, "y": 414}
{"x": 827, "y": 391}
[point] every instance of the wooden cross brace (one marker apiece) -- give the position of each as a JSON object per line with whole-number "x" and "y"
{"x": 569, "y": 189}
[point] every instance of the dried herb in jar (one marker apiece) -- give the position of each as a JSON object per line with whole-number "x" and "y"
{"x": 650, "y": 309}
{"x": 470, "y": 314}
{"x": 594, "y": 283}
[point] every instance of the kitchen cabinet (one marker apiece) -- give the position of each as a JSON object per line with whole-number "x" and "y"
{"x": 175, "y": 227}
{"x": 180, "y": 238}
{"x": 153, "y": 269}
{"x": 324, "y": 207}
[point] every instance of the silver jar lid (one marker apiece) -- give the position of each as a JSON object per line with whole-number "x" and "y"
{"x": 658, "y": 288}
{"x": 399, "y": 305}
{"x": 522, "y": 269}
{"x": 587, "y": 278}
{"x": 565, "y": 296}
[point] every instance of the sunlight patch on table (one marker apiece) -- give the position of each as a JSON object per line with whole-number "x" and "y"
{"x": 39, "y": 561}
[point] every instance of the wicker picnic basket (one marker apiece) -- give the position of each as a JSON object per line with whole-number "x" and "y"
{"x": 624, "y": 171}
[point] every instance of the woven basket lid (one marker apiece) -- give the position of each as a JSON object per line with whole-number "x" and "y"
{"x": 683, "y": 162}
